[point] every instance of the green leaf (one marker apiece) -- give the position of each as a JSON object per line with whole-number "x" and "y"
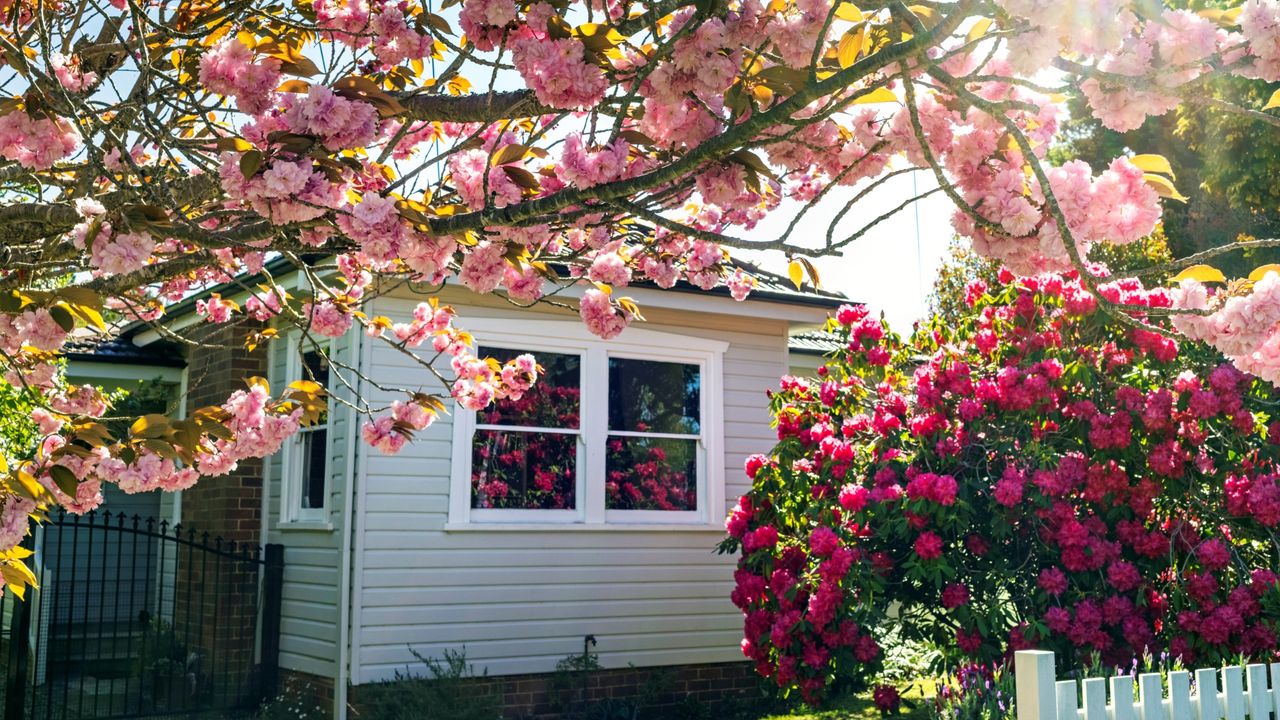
{"x": 63, "y": 317}
{"x": 64, "y": 479}
{"x": 250, "y": 163}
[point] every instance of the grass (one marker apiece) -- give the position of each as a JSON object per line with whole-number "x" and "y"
{"x": 860, "y": 707}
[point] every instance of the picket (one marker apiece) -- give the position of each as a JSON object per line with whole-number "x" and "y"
{"x": 1095, "y": 699}
{"x": 1259, "y": 698}
{"x": 1180, "y": 695}
{"x": 1275, "y": 684}
{"x": 1251, "y": 693}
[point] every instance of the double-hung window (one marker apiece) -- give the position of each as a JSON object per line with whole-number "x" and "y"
{"x": 619, "y": 432}
{"x": 305, "y": 465}
{"x": 525, "y": 454}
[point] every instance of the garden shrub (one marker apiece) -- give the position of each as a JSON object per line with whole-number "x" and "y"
{"x": 450, "y": 690}
{"x": 293, "y": 703}
{"x": 1037, "y": 473}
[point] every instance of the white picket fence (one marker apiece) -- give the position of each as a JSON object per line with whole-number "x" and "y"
{"x": 1232, "y": 693}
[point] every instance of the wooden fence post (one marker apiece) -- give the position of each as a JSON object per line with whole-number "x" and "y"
{"x": 1035, "y": 680}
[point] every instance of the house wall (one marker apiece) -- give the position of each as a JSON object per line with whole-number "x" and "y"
{"x": 519, "y": 601}
{"x": 310, "y": 607}
{"x": 805, "y": 364}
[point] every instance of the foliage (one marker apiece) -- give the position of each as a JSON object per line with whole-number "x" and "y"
{"x": 975, "y": 692}
{"x": 947, "y": 299}
{"x": 569, "y": 690}
{"x": 18, "y": 435}
{"x": 449, "y": 690}
{"x": 292, "y": 704}
{"x": 962, "y": 266}
{"x": 1236, "y": 190}
{"x": 161, "y": 651}
{"x": 146, "y": 397}
{"x": 276, "y": 169}
{"x": 1038, "y": 473}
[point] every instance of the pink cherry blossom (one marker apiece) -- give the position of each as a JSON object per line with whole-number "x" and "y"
{"x": 230, "y": 68}
{"x": 601, "y": 317}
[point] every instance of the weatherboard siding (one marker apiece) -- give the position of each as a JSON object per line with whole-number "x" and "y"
{"x": 519, "y": 601}
{"x": 309, "y": 614}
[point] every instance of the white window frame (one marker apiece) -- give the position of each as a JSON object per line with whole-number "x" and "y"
{"x": 576, "y": 514}
{"x": 292, "y": 462}
{"x": 634, "y": 343}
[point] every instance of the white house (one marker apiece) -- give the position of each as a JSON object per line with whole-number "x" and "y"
{"x": 593, "y": 509}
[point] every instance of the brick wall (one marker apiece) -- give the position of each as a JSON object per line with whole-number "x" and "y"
{"x": 307, "y": 691}
{"x": 531, "y": 697}
{"x": 217, "y": 596}
{"x": 230, "y": 506}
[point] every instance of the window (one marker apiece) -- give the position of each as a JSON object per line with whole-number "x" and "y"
{"x": 616, "y": 432}
{"x": 306, "y": 464}
{"x": 525, "y": 452}
{"x": 655, "y": 412}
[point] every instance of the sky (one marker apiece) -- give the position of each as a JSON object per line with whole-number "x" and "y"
{"x": 892, "y": 267}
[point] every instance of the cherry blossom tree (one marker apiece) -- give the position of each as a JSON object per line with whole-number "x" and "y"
{"x": 155, "y": 148}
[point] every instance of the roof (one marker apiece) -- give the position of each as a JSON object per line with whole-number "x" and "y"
{"x": 119, "y": 350}
{"x": 814, "y": 342}
{"x": 770, "y": 287}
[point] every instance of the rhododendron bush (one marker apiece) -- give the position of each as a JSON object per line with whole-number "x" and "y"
{"x": 1036, "y": 475}
{"x": 150, "y": 149}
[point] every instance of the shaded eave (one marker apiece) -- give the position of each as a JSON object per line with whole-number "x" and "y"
{"x": 119, "y": 351}
{"x": 771, "y": 288}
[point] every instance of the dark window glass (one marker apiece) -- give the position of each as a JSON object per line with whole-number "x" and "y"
{"x": 315, "y": 438}
{"x": 525, "y": 470}
{"x": 552, "y": 402}
{"x": 316, "y": 367}
{"x": 651, "y": 474}
{"x": 314, "y": 450}
{"x": 655, "y": 397}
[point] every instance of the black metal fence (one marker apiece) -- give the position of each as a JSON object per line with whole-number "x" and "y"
{"x": 134, "y": 618}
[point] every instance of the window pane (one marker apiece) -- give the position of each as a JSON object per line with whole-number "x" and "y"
{"x": 553, "y": 400}
{"x": 651, "y": 474}
{"x": 650, "y": 396}
{"x": 314, "y": 449}
{"x": 527, "y": 470}
{"x": 316, "y": 367}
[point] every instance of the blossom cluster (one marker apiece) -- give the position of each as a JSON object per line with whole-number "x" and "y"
{"x": 1245, "y": 326}
{"x": 1036, "y": 475}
